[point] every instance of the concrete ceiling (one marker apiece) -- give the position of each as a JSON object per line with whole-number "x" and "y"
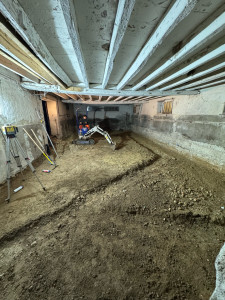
{"x": 119, "y": 50}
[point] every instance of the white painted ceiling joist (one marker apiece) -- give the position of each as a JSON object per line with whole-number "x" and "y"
{"x": 124, "y": 11}
{"x": 204, "y": 59}
{"x": 13, "y": 11}
{"x": 205, "y": 35}
{"x": 197, "y": 75}
{"x": 174, "y": 16}
{"x": 102, "y": 92}
{"x": 219, "y": 82}
{"x": 200, "y": 82}
{"x": 70, "y": 19}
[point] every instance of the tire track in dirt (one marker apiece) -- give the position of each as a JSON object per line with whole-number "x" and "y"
{"x": 46, "y": 217}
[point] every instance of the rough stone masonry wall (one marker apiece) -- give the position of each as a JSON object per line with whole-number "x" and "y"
{"x": 196, "y": 125}
{"x": 17, "y": 107}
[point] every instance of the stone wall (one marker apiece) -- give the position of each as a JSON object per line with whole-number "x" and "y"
{"x": 196, "y": 125}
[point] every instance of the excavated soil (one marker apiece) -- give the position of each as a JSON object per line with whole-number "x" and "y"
{"x": 142, "y": 222}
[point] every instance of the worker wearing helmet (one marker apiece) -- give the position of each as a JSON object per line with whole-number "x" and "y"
{"x": 83, "y": 125}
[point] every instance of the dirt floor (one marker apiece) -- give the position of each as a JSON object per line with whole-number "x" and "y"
{"x": 142, "y": 222}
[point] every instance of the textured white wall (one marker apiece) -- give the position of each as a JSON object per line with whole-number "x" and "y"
{"x": 209, "y": 102}
{"x": 17, "y": 107}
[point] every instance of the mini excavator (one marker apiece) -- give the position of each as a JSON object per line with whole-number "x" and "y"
{"x": 85, "y": 132}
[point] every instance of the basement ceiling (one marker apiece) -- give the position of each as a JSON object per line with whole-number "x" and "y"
{"x": 122, "y": 51}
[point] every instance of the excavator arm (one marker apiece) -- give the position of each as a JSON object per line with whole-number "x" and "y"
{"x": 102, "y": 132}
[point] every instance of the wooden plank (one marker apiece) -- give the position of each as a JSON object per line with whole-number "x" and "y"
{"x": 74, "y": 97}
{"x": 118, "y": 98}
{"x": 109, "y": 98}
{"x": 135, "y": 98}
{"x": 82, "y": 97}
{"x": 11, "y": 64}
{"x": 128, "y": 98}
{"x": 64, "y": 96}
{"x": 144, "y": 98}
{"x": 14, "y": 12}
{"x": 12, "y": 46}
{"x": 48, "y": 98}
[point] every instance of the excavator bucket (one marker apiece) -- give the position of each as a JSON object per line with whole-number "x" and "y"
{"x": 113, "y": 147}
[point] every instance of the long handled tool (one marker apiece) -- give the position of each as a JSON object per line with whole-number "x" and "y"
{"x": 42, "y": 147}
{"x": 38, "y": 147}
{"x": 38, "y": 140}
{"x": 42, "y": 123}
{"x": 10, "y": 132}
{"x": 49, "y": 158}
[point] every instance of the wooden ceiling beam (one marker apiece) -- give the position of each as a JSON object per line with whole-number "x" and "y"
{"x": 118, "y": 98}
{"x": 13, "y": 11}
{"x": 13, "y": 47}
{"x": 82, "y": 97}
{"x": 48, "y": 98}
{"x": 109, "y": 98}
{"x": 126, "y": 99}
{"x": 74, "y": 97}
{"x": 16, "y": 67}
{"x": 64, "y": 96}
